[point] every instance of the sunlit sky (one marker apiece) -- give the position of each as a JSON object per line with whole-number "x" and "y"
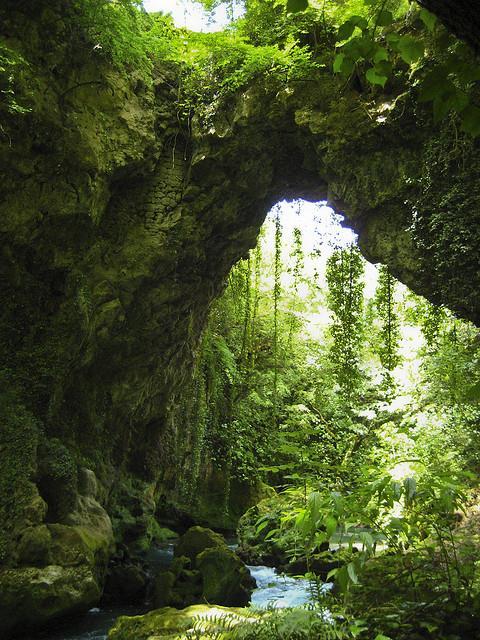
{"x": 186, "y": 13}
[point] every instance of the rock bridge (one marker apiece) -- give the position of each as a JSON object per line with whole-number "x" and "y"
{"x": 119, "y": 226}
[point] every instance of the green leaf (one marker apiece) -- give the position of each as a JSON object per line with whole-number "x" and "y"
{"x": 352, "y": 574}
{"x": 367, "y": 539}
{"x": 262, "y": 526}
{"x": 428, "y": 19}
{"x": 466, "y": 72}
{"x": 360, "y": 47}
{"x": 471, "y": 121}
{"x": 380, "y": 54}
{"x": 343, "y": 64}
{"x": 384, "y": 68}
{"x": 453, "y": 100}
{"x": 345, "y": 30}
{"x": 374, "y": 78}
{"x": 393, "y": 38}
{"x": 384, "y": 18}
{"x": 410, "y": 487}
{"x": 338, "y": 62}
{"x": 330, "y": 525}
{"x": 295, "y": 6}
{"x": 474, "y": 392}
{"x": 331, "y": 573}
{"x": 341, "y": 578}
{"x": 411, "y": 49}
{"x": 433, "y": 85}
{"x": 356, "y": 629}
{"x": 271, "y": 533}
{"x": 382, "y": 637}
{"x": 359, "y": 21}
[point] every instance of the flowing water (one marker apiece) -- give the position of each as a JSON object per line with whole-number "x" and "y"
{"x": 278, "y": 590}
{"x": 272, "y": 590}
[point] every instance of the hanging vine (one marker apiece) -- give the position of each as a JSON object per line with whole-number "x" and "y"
{"x": 387, "y": 345}
{"x": 297, "y": 257}
{"x": 345, "y": 300}
{"x": 257, "y": 265}
{"x": 277, "y": 291}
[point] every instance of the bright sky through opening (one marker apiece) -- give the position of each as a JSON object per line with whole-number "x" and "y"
{"x": 191, "y": 14}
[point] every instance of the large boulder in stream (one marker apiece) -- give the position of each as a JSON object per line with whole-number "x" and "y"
{"x": 196, "y": 540}
{"x": 204, "y": 570}
{"x": 226, "y": 579}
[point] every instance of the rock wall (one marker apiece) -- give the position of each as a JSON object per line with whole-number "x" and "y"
{"x": 119, "y": 224}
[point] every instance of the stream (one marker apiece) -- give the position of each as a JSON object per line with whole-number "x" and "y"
{"x": 272, "y": 590}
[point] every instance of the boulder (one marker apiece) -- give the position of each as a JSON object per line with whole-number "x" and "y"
{"x": 196, "y": 540}
{"x": 163, "y": 590}
{"x": 125, "y": 583}
{"x": 60, "y": 566}
{"x": 208, "y": 572}
{"x": 226, "y": 579}
{"x": 34, "y": 546}
{"x": 178, "y": 590}
{"x": 172, "y": 624}
{"x": 31, "y": 596}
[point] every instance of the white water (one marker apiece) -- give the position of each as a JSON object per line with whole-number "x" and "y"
{"x": 280, "y": 591}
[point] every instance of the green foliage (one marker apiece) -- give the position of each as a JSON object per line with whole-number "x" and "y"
{"x": 388, "y": 341}
{"x": 345, "y": 301}
{"x": 295, "y": 624}
{"x": 114, "y": 30}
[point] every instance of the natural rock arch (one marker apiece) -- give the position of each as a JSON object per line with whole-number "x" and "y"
{"x": 119, "y": 228}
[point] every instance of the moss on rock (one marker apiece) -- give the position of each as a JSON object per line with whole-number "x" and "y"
{"x": 31, "y": 596}
{"x": 226, "y": 579}
{"x": 196, "y": 540}
{"x": 195, "y": 621}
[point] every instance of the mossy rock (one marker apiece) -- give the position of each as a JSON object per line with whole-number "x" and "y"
{"x": 164, "y": 593}
{"x": 125, "y": 583}
{"x": 198, "y": 621}
{"x": 226, "y": 579}
{"x": 34, "y": 547}
{"x": 196, "y": 540}
{"x": 31, "y": 596}
{"x": 163, "y": 534}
